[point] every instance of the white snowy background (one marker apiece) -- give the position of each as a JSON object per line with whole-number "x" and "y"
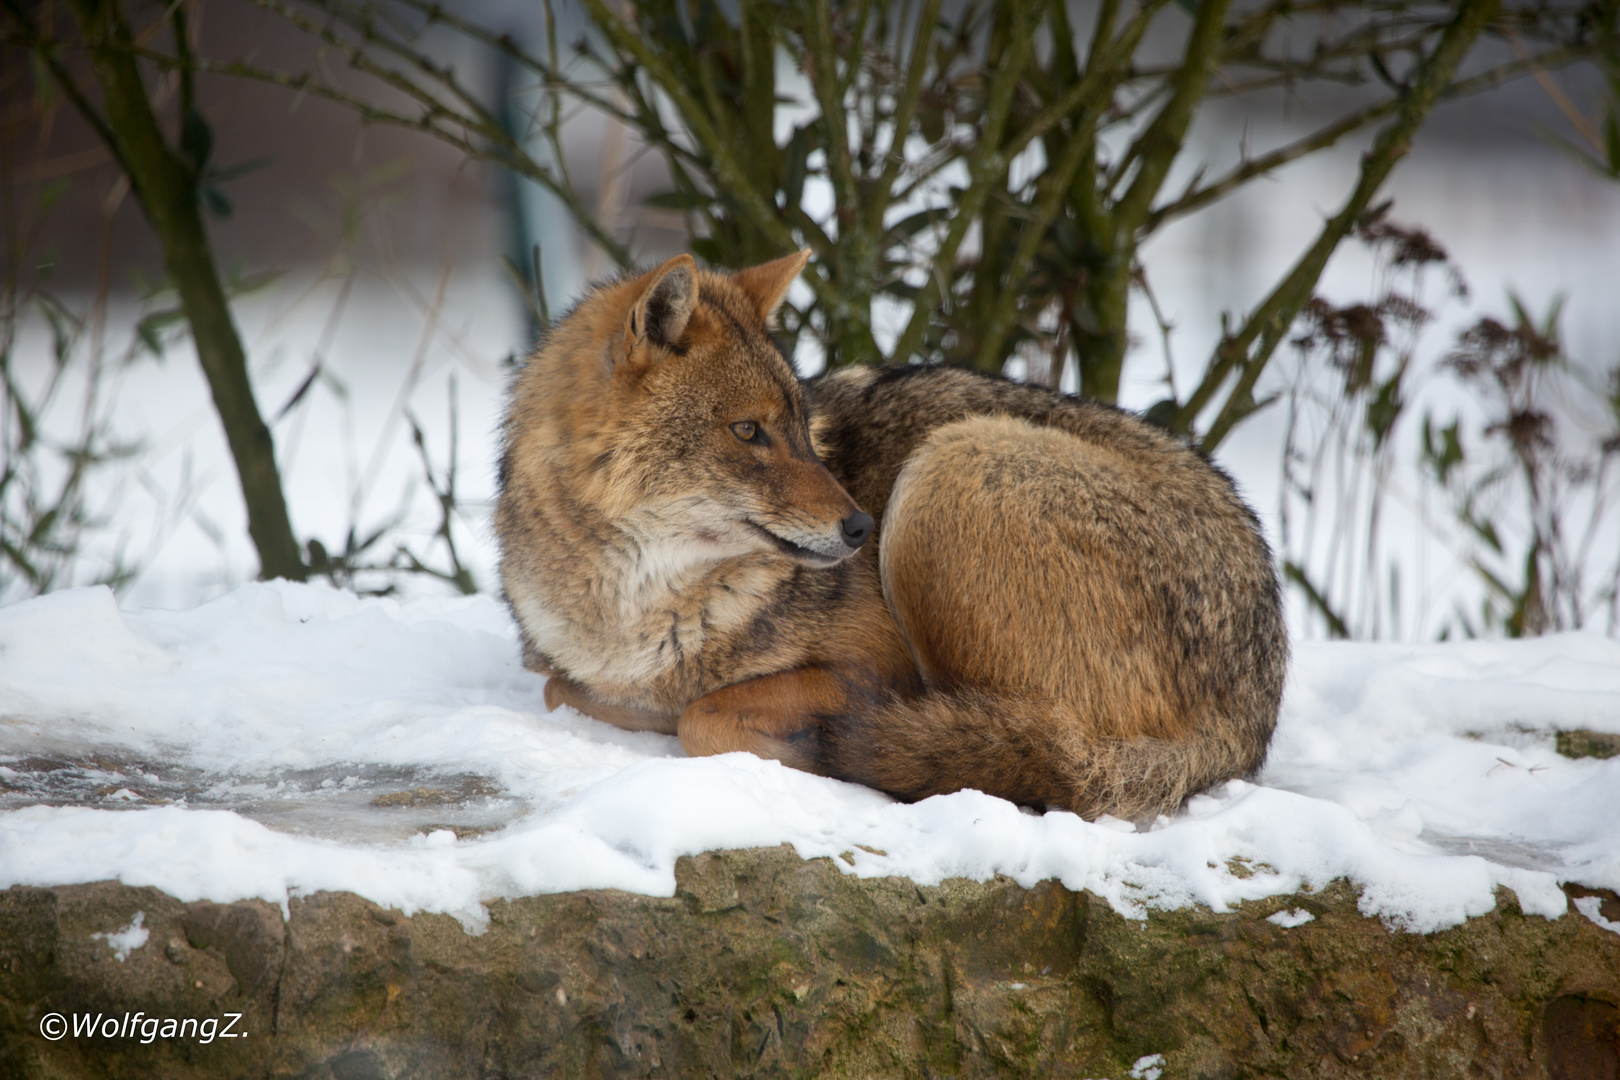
{"x": 290, "y": 738}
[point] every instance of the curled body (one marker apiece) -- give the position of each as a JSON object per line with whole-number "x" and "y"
{"x": 917, "y": 578}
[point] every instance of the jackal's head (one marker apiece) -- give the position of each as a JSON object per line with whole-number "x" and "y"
{"x": 680, "y": 420}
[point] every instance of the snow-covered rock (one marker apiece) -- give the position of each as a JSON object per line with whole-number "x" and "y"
{"x": 765, "y": 965}
{"x": 287, "y": 739}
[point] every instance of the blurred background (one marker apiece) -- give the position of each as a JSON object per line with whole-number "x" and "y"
{"x": 1368, "y": 254}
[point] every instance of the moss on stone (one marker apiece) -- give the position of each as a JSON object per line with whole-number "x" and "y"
{"x": 1592, "y": 744}
{"x": 766, "y": 965}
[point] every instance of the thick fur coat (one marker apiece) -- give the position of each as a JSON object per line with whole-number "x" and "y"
{"x": 1050, "y": 600}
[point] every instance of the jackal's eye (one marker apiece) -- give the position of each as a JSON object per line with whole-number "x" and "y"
{"x": 746, "y": 430}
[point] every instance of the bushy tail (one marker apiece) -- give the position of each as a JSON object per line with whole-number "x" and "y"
{"x": 1028, "y": 751}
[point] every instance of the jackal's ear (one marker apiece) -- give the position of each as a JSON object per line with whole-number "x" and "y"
{"x": 767, "y": 283}
{"x": 666, "y": 303}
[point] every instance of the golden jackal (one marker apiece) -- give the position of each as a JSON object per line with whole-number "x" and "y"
{"x": 1044, "y": 598}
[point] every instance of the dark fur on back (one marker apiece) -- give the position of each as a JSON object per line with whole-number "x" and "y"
{"x": 867, "y": 421}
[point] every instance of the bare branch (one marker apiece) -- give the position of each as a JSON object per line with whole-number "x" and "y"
{"x": 1251, "y": 348}
{"x": 1265, "y": 163}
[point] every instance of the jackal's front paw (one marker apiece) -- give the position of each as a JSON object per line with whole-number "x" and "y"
{"x": 561, "y": 690}
{"x": 708, "y": 727}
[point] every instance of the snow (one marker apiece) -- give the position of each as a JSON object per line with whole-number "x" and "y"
{"x": 1150, "y": 1067}
{"x": 1592, "y": 908}
{"x": 285, "y": 739}
{"x": 1288, "y": 919}
{"x": 125, "y": 941}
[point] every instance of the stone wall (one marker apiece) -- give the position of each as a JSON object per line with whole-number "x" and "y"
{"x": 763, "y": 964}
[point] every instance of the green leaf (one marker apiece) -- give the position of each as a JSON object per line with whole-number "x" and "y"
{"x": 1521, "y": 314}
{"x": 196, "y": 140}
{"x": 1385, "y": 409}
{"x": 1245, "y": 406}
{"x": 1163, "y": 413}
{"x": 50, "y": 194}
{"x": 1486, "y": 531}
{"x": 239, "y": 284}
{"x": 1613, "y": 394}
{"x": 1295, "y": 573}
{"x": 1442, "y": 450}
{"x": 912, "y": 224}
{"x": 798, "y": 156}
{"x": 20, "y": 560}
{"x": 1492, "y": 581}
{"x": 225, "y": 176}
{"x": 532, "y": 291}
{"x": 298, "y": 395}
{"x": 149, "y": 331}
{"x": 1382, "y": 71}
{"x": 337, "y": 386}
{"x": 1549, "y": 326}
{"x": 64, "y": 329}
{"x": 1582, "y": 153}
{"x": 28, "y": 427}
{"x": 217, "y": 203}
{"x": 149, "y": 339}
{"x": 40, "y": 533}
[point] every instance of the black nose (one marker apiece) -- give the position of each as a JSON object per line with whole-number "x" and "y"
{"x": 857, "y": 527}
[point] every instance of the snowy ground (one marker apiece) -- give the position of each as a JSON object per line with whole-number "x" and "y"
{"x": 285, "y": 739}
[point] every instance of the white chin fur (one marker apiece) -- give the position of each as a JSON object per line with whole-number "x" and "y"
{"x": 816, "y": 550}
